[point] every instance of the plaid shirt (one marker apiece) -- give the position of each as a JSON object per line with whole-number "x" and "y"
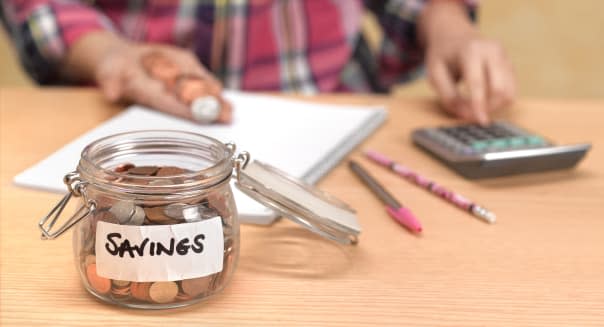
{"x": 288, "y": 45}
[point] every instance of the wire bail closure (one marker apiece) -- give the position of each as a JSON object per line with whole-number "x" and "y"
{"x": 76, "y": 188}
{"x": 240, "y": 161}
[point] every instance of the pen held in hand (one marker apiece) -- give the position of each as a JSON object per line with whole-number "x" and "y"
{"x": 393, "y": 207}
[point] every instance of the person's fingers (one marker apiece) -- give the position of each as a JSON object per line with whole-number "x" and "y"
{"x": 473, "y": 75}
{"x": 109, "y": 78}
{"x": 139, "y": 88}
{"x": 463, "y": 109}
{"x": 111, "y": 88}
{"x": 501, "y": 81}
{"x": 444, "y": 85}
{"x": 190, "y": 64}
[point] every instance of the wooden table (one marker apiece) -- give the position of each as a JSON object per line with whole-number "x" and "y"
{"x": 541, "y": 264}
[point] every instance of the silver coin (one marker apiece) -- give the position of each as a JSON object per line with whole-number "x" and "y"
{"x": 138, "y": 217}
{"x": 123, "y": 211}
{"x": 205, "y": 109}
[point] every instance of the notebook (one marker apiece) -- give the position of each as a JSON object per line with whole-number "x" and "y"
{"x": 301, "y": 138}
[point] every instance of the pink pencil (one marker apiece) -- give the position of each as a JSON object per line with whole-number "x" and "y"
{"x": 452, "y": 197}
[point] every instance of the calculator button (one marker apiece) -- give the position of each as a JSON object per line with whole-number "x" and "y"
{"x": 498, "y": 132}
{"x": 535, "y": 140}
{"x": 498, "y": 144}
{"x": 480, "y": 145}
{"x": 517, "y": 142}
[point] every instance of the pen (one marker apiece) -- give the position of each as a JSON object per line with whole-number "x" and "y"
{"x": 393, "y": 207}
{"x": 431, "y": 186}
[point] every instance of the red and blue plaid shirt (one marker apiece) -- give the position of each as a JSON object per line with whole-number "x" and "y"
{"x": 294, "y": 45}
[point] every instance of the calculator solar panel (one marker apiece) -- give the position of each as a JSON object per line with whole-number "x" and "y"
{"x": 499, "y": 149}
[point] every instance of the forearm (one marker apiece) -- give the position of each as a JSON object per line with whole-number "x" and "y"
{"x": 44, "y": 32}
{"x": 440, "y": 17}
{"x": 84, "y": 56}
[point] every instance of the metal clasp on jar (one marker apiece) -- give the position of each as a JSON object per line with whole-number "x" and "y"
{"x": 76, "y": 188}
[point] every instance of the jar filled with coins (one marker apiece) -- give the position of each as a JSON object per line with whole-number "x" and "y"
{"x": 158, "y": 225}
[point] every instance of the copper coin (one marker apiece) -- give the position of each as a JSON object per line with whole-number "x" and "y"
{"x": 121, "y": 168}
{"x": 196, "y": 286}
{"x": 140, "y": 291}
{"x": 220, "y": 203}
{"x": 191, "y": 88}
{"x": 161, "y": 68}
{"x": 107, "y": 216}
{"x": 183, "y": 297}
{"x": 120, "y": 288}
{"x": 120, "y": 293}
{"x": 100, "y": 284}
{"x": 120, "y": 283}
{"x": 163, "y": 292}
{"x": 104, "y": 202}
{"x": 170, "y": 171}
{"x": 161, "y": 182}
{"x": 143, "y": 170}
{"x": 157, "y": 215}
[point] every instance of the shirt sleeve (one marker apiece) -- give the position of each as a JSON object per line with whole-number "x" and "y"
{"x": 400, "y": 57}
{"x": 43, "y": 30}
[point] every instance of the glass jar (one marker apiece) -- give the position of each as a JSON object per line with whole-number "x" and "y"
{"x": 162, "y": 228}
{"x": 158, "y": 225}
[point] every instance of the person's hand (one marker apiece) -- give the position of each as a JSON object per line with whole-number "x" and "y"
{"x": 116, "y": 67}
{"x": 472, "y": 75}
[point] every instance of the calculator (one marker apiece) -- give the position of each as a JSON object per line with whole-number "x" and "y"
{"x": 499, "y": 149}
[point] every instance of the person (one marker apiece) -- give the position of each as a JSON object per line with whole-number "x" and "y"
{"x": 286, "y": 45}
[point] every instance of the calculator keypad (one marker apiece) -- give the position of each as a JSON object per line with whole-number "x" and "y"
{"x": 475, "y": 139}
{"x": 496, "y": 150}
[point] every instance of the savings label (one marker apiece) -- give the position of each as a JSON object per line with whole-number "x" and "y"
{"x": 159, "y": 252}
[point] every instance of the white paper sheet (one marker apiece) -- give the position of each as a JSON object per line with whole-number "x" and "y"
{"x": 301, "y": 138}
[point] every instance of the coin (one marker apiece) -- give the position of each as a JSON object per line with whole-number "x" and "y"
{"x": 161, "y": 68}
{"x": 170, "y": 171}
{"x": 120, "y": 293}
{"x": 120, "y": 288}
{"x": 196, "y": 286}
{"x": 121, "y": 168}
{"x": 191, "y": 87}
{"x": 120, "y": 283}
{"x": 107, "y": 216}
{"x": 138, "y": 217}
{"x": 104, "y": 202}
{"x": 140, "y": 291}
{"x": 157, "y": 215}
{"x": 163, "y": 292}
{"x": 220, "y": 203}
{"x": 183, "y": 297}
{"x": 100, "y": 284}
{"x": 161, "y": 182}
{"x": 123, "y": 211}
{"x": 143, "y": 170}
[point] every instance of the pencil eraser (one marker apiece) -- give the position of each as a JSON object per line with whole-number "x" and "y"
{"x": 406, "y": 218}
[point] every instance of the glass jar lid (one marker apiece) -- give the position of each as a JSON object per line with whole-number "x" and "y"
{"x": 300, "y": 202}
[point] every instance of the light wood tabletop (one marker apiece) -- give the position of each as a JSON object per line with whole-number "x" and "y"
{"x": 541, "y": 264}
